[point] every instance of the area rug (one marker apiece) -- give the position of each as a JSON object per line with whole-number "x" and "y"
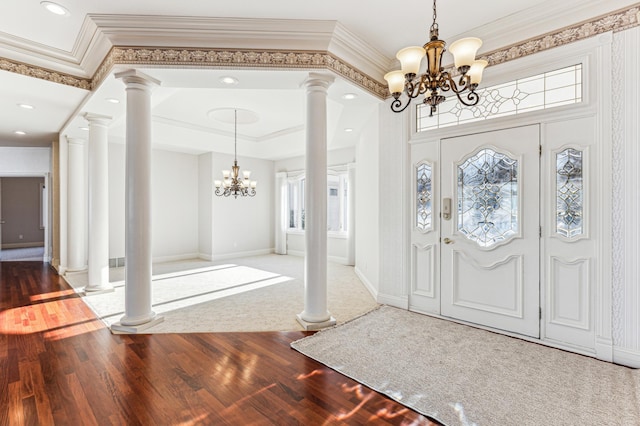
{"x": 258, "y": 293}
{"x": 460, "y": 375}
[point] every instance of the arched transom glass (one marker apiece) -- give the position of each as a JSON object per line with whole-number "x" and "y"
{"x": 488, "y": 197}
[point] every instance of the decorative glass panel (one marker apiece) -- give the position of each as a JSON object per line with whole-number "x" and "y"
{"x": 546, "y": 90}
{"x": 488, "y": 197}
{"x": 423, "y": 196}
{"x": 569, "y": 193}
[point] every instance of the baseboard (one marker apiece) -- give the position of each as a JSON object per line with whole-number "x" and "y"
{"x": 22, "y": 245}
{"x": 205, "y": 256}
{"x": 340, "y": 260}
{"x": 227, "y": 256}
{"x": 175, "y": 258}
{"x": 627, "y": 357}
{"x": 401, "y": 302}
{"x": 295, "y": 253}
{"x": 367, "y": 284}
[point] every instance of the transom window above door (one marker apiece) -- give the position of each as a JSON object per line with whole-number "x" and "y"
{"x": 542, "y": 91}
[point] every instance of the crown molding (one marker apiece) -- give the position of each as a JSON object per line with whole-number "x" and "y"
{"x": 206, "y": 32}
{"x": 19, "y": 50}
{"x": 359, "y": 53}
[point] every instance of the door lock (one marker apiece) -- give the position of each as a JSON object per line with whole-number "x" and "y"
{"x": 446, "y": 208}
{"x": 448, "y": 241}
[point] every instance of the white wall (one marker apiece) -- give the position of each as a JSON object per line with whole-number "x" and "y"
{"x": 338, "y": 157}
{"x": 368, "y": 203}
{"x": 244, "y": 226}
{"x": 394, "y": 171}
{"x": 174, "y": 206}
{"x": 174, "y": 201}
{"x": 205, "y": 205}
{"x": 24, "y": 161}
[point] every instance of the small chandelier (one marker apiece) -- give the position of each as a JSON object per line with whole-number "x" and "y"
{"x": 231, "y": 184}
{"x": 435, "y": 79}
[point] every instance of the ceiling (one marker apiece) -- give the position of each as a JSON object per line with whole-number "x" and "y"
{"x": 32, "y": 35}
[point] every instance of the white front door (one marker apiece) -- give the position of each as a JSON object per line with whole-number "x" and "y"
{"x": 490, "y": 229}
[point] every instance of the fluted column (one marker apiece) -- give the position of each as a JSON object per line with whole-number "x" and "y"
{"x": 76, "y": 206}
{"x": 315, "y": 314}
{"x": 138, "y": 313}
{"x": 98, "y": 274}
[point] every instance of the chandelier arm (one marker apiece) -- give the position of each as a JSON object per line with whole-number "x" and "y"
{"x": 473, "y": 98}
{"x": 397, "y": 103}
{"x": 413, "y": 88}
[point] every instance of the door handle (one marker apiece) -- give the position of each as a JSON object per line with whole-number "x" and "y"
{"x": 448, "y": 241}
{"x": 1, "y": 222}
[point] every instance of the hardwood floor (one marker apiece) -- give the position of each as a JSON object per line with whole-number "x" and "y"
{"x": 60, "y": 365}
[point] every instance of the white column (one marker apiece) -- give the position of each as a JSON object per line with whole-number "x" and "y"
{"x": 76, "y": 207}
{"x": 351, "y": 216}
{"x": 315, "y": 314}
{"x": 137, "y": 313}
{"x": 98, "y": 263}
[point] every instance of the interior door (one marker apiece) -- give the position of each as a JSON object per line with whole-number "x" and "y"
{"x": 490, "y": 229}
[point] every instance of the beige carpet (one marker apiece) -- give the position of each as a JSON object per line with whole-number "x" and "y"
{"x": 260, "y": 293}
{"x": 461, "y": 375}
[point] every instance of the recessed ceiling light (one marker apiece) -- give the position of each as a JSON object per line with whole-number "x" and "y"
{"x": 26, "y": 106}
{"x": 349, "y": 96}
{"x": 228, "y": 80}
{"x": 113, "y": 100}
{"x": 348, "y": 130}
{"x": 55, "y": 8}
{"x": 19, "y": 132}
{"x": 84, "y": 128}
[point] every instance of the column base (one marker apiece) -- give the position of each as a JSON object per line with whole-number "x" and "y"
{"x": 118, "y": 328}
{"x": 87, "y": 291}
{"x": 313, "y": 326}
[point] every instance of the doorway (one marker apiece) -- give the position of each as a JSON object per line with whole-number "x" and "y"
{"x": 490, "y": 222}
{"x": 23, "y": 218}
{"x": 476, "y": 232}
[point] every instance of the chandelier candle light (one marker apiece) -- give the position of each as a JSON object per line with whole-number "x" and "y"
{"x": 231, "y": 184}
{"x": 435, "y": 79}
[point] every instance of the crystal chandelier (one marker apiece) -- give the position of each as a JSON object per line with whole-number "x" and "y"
{"x": 231, "y": 184}
{"x": 435, "y": 79}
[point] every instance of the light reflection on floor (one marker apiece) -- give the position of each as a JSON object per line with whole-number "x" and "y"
{"x": 389, "y": 412}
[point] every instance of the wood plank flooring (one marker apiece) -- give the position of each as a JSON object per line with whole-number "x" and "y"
{"x": 60, "y": 365}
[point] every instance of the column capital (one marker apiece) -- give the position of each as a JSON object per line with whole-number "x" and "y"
{"x": 93, "y": 118}
{"x": 134, "y": 76}
{"x": 318, "y": 79}
{"x": 75, "y": 141}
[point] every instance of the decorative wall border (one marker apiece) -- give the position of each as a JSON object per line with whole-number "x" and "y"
{"x": 44, "y": 74}
{"x": 237, "y": 58}
{"x": 279, "y": 59}
{"x": 614, "y": 21}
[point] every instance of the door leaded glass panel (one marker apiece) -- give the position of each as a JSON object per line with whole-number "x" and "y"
{"x": 569, "y": 193}
{"x": 488, "y": 197}
{"x": 423, "y": 197}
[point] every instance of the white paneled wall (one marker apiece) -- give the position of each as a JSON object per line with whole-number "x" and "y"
{"x": 626, "y": 203}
